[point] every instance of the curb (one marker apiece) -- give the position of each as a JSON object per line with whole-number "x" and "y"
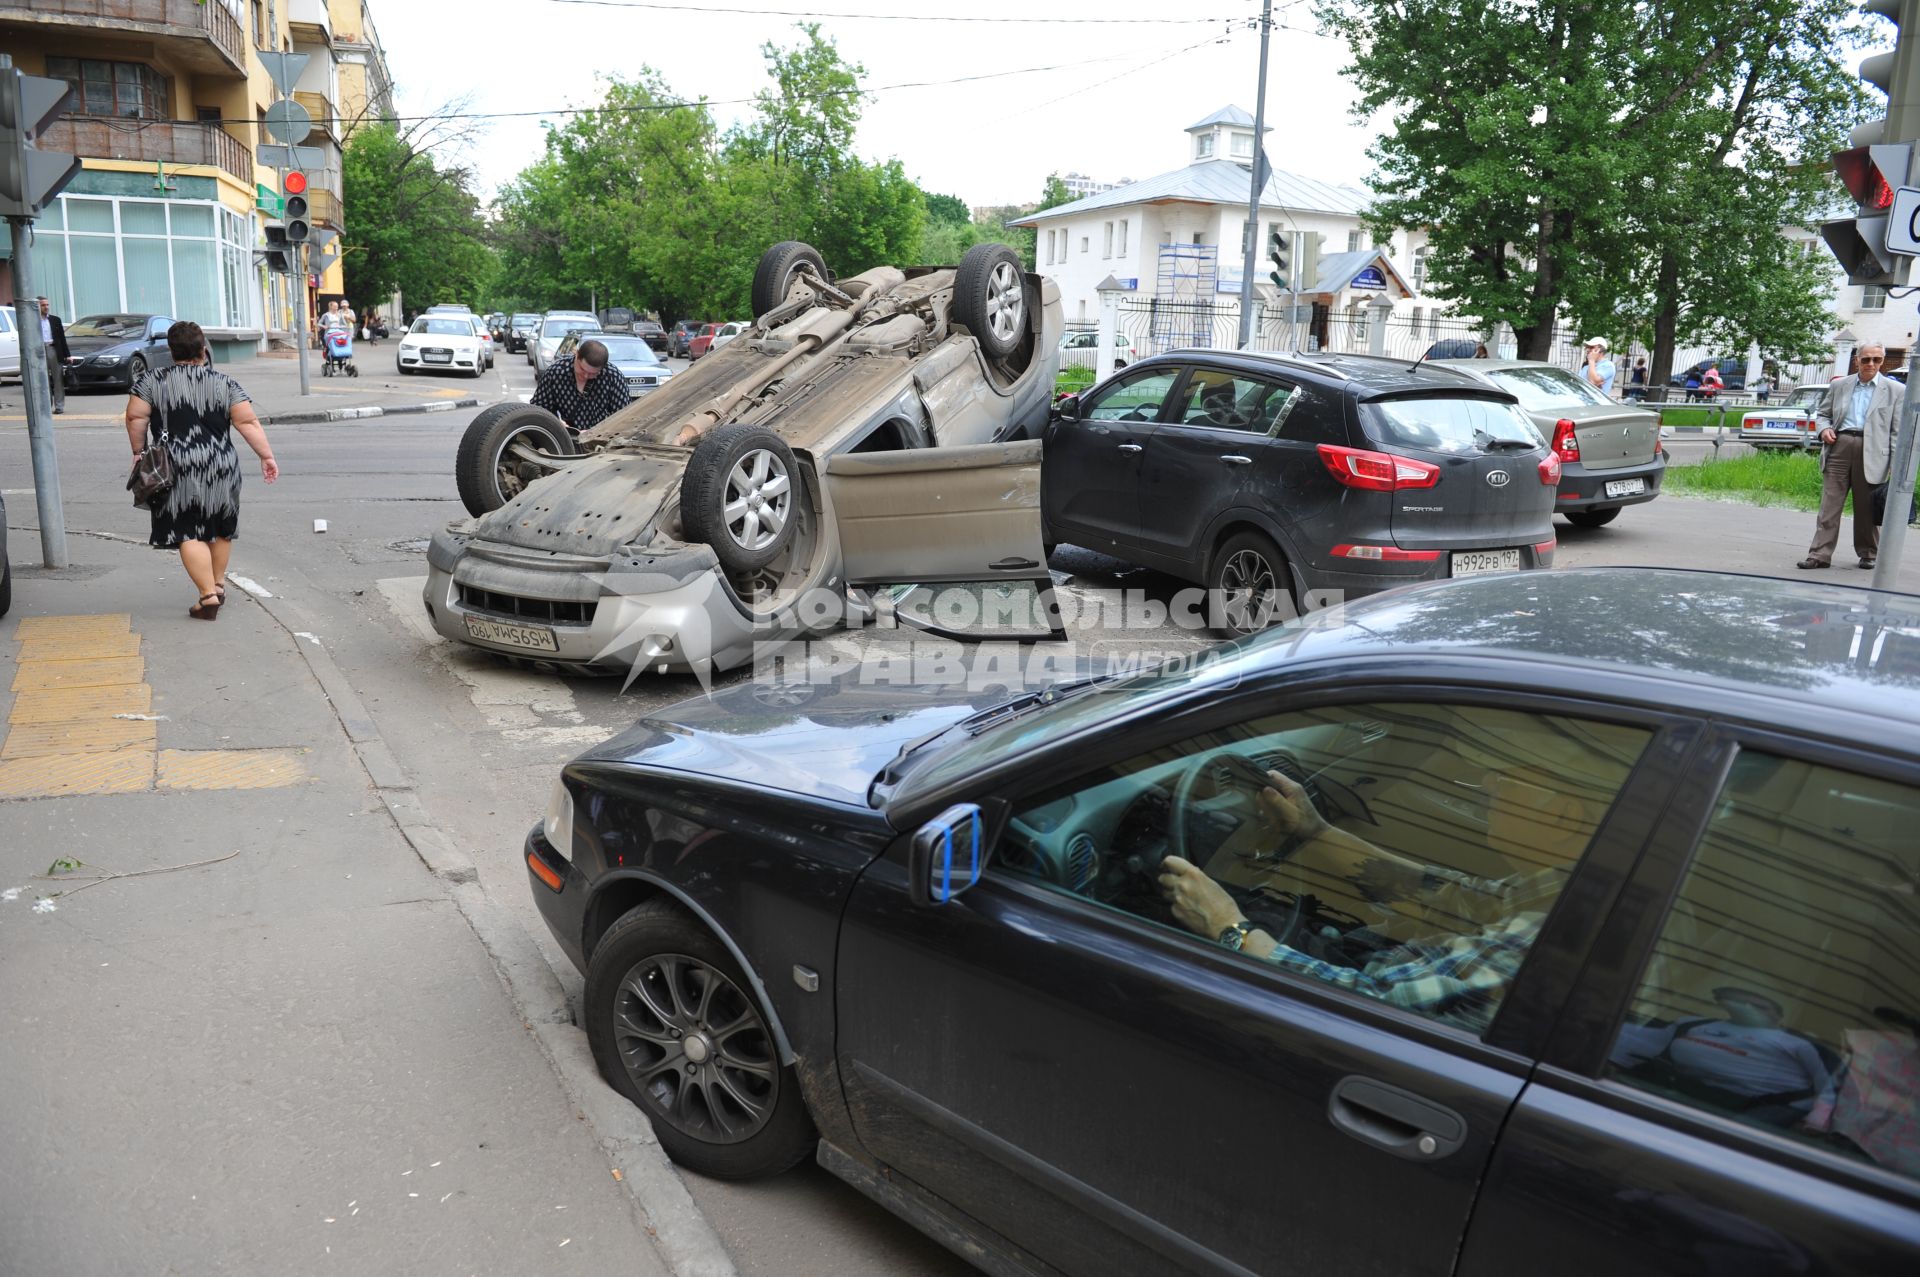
{"x": 355, "y": 414}
{"x": 682, "y": 1235}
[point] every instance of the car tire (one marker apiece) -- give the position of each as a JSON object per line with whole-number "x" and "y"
{"x": 1248, "y": 563}
{"x": 731, "y": 467}
{"x": 656, "y": 982}
{"x": 990, "y": 298}
{"x": 1592, "y": 518}
{"x": 136, "y": 369}
{"x": 483, "y": 448}
{"x": 479, "y": 368}
{"x": 776, "y": 271}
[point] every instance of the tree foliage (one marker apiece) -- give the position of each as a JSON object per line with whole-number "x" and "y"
{"x": 412, "y": 223}
{"x": 1628, "y": 166}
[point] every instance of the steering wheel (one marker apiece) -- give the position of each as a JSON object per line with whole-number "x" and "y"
{"x": 1224, "y": 774}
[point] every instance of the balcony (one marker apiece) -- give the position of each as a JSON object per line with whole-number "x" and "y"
{"x": 101, "y": 138}
{"x": 325, "y": 114}
{"x": 323, "y": 204}
{"x": 204, "y": 36}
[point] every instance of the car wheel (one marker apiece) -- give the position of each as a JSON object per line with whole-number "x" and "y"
{"x": 479, "y": 367}
{"x": 6, "y": 575}
{"x": 674, "y": 1027}
{"x": 778, "y": 265}
{"x": 404, "y": 370}
{"x": 485, "y": 470}
{"x": 738, "y": 495}
{"x": 1248, "y": 584}
{"x": 990, "y": 298}
{"x": 1592, "y": 518}
{"x": 136, "y": 369}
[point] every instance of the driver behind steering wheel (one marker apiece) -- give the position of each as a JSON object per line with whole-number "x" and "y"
{"x": 1459, "y": 978}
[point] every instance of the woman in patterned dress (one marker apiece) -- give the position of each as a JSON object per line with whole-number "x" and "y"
{"x": 196, "y": 409}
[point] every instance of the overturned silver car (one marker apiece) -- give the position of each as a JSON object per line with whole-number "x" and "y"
{"x": 864, "y": 435}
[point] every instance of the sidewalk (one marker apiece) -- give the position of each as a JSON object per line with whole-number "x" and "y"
{"x": 298, "y": 1058}
{"x": 273, "y": 380}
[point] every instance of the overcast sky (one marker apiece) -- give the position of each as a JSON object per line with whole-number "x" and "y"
{"x": 1112, "y": 103}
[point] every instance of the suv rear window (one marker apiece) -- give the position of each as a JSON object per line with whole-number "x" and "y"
{"x": 1447, "y": 423}
{"x": 1546, "y": 389}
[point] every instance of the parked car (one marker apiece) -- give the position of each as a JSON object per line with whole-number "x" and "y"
{"x": 450, "y": 308}
{"x": 1733, "y": 372}
{"x": 554, "y": 330}
{"x": 690, "y": 532}
{"x": 9, "y": 344}
{"x": 681, "y": 336}
{"x": 521, "y": 329}
{"x": 702, "y": 341}
{"x": 111, "y": 352}
{"x": 630, "y": 357}
{"x": 444, "y": 341}
{"x": 1787, "y": 425}
{"x": 1082, "y": 350}
{"x": 652, "y": 333}
{"x": 726, "y": 333}
{"x": 617, "y": 319}
{"x": 1610, "y": 454}
{"x": 6, "y": 564}
{"x": 1272, "y": 478}
{"x": 1550, "y": 918}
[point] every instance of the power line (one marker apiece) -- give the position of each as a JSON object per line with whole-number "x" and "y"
{"x": 660, "y": 5}
{"x": 1121, "y": 76}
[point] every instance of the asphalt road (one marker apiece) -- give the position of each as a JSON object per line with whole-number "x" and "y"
{"x": 483, "y": 741}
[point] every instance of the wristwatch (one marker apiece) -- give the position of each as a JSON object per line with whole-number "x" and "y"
{"x": 1236, "y": 935}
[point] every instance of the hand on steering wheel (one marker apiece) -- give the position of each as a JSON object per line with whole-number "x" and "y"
{"x": 1287, "y": 807}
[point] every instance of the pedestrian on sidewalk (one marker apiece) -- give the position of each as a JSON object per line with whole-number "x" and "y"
{"x": 1598, "y": 370}
{"x": 1711, "y": 383}
{"x": 195, "y": 409}
{"x": 53, "y": 340}
{"x": 1856, "y": 427}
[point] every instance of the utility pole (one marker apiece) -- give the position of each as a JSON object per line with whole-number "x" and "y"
{"x": 1252, "y": 236}
{"x": 39, "y": 396}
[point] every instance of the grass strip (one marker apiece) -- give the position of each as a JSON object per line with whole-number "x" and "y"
{"x": 1790, "y": 479}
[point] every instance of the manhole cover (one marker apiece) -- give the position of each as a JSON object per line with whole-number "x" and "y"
{"x": 412, "y": 545}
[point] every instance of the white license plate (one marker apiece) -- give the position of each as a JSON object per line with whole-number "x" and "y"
{"x": 530, "y": 637}
{"x": 1626, "y": 487}
{"x": 441, "y": 358}
{"x": 1781, "y": 425}
{"x": 1468, "y": 562}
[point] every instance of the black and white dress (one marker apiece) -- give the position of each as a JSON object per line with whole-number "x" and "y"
{"x": 195, "y": 404}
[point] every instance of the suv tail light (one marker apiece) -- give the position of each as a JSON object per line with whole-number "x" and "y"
{"x": 1550, "y": 470}
{"x": 1565, "y": 443}
{"x": 1377, "y": 471}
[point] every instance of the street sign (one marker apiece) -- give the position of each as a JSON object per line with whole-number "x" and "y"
{"x": 1903, "y": 222}
{"x": 1368, "y": 278}
{"x": 284, "y": 68}
{"x": 301, "y": 157}
{"x": 289, "y": 122}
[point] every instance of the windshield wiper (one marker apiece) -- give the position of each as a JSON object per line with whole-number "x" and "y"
{"x": 981, "y": 720}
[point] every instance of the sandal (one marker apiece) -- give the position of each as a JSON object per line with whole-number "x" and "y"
{"x": 201, "y": 612}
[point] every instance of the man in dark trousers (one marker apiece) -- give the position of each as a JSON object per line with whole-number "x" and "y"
{"x": 1856, "y": 428}
{"x": 53, "y": 339}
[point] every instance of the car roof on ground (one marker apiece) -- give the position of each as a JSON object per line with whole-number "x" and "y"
{"x": 1803, "y": 647}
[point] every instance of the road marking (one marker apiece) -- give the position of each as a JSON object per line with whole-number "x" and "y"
{"x": 230, "y": 768}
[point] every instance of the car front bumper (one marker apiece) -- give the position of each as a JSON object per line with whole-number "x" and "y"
{"x": 461, "y": 359}
{"x": 96, "y": 376}
{"x": 564, "y": 911}
{"x": 1583, "y": 489}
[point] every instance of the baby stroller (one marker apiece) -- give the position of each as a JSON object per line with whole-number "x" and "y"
{"x": 337, "y": 350}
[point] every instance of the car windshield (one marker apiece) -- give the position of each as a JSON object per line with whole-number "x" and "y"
{"x": 1546, "y": 389}
{"x": 1437, "y": 423}
{"x": 443, "y": 326}
{"x": 119, "y": 327}
{"x": 628, "y": 350}
{"x": 1807, "y": 397}
{"x": 561, "y": 327}
{"x": 525, "y": 321}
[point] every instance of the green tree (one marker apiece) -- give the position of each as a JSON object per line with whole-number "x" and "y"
{"x": 411, "y": 223}
{"x": 947, "y": 210}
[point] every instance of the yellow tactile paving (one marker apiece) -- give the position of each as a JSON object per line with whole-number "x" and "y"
{"x": 42, "y": 627}
{"x": 78, "y": 647}
{"x": 77, "y": 704}
{"x": 111, "y": 671}
{"x": 230, "y": 768}
{"x": 92, "y": 736}
{"x": 124, "y": 772}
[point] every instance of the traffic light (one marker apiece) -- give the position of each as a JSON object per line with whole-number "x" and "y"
{"x": 29, "y": 177}
{"x": 1880, "y": 160}
{"x": 297, "y": 223}
{"x": 1307, "y": 269}
{"x": 279, "y": 251}
{"x": 1277, "y": 254}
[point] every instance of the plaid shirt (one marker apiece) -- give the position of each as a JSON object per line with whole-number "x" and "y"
{"x": 1459, "y": 980}
{"x": 581, "y": 409}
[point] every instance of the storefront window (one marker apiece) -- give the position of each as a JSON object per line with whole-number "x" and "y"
{"x": 163, "y": 257}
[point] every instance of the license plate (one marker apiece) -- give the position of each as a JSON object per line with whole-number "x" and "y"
{"x": 530, "y": 637}
{"x": 438, "y": 356}
{"x": 1468, "y": 562}
{"x": 1781, "y": 425}
{"x": 1626, "y": 487}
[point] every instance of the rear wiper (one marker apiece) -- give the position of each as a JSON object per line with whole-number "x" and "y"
{"x": 1487, "y": 441}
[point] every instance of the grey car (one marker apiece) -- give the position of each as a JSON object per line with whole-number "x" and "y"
{"x": 1610, "y": 454}
{"x": 631, "y": 357}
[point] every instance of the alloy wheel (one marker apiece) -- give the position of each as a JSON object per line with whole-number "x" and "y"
{"x": 696, "y": 1048}
{"x": 1006, "y": 301}
{"x": 1250, "y": 588}
{"x": 758, "y": 499}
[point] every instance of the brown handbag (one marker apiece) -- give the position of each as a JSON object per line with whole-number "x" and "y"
{"x": 152, "y": 476}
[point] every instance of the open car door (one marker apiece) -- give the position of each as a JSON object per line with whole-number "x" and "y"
{"x": 951, "y": 535}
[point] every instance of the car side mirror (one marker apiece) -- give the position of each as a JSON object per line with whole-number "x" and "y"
{"x": 1066, "y": 408}
{"x": 947, "y": 855}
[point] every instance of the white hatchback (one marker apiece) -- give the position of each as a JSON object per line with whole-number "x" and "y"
{"x": 9, "y": 344}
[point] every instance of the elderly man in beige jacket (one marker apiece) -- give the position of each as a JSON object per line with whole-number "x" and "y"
{"x": 1856, "y": 426}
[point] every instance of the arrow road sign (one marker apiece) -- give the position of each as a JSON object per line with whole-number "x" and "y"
{"x": 274, "y": 155}
{"x": 1903, "y": 222}
{"x": 288, "y": 121}
{"x": 285, "y": 68}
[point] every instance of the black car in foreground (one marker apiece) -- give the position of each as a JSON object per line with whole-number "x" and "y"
{"x": 1276, "y": 479}
{"x": 521, "y": 329}
{"x": 1543, "y": 920}
{"x": 111, "y": 352}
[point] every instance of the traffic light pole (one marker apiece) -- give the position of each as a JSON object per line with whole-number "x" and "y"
{"x": 1259, "y": 179}
{"x": 39, "y": 395}
{"x": 298, "y": 254}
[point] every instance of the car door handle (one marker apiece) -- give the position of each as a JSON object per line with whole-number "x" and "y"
{"x": 1396, "y": 1120}
{"x": 1130, "y": 447}
{"x": 1235, "y": 459}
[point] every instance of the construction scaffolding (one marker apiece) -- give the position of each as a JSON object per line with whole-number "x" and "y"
{"x": 1183, "y": 297}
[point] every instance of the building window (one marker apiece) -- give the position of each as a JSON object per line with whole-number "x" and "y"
{"x": 185, "y": 259}
{"x": 1203, "y": 147}
{"x": 1122, "y": 249}
{"x": 129, "y": 89}
{"x": 1083, "y": 244}
{"x": 1873, "y": 297}
{"x": 1353, "y": 241}
{"x": 1108, "y": 247}
{"x": 1199, "y": 237}
{"x": 1240, "y": 146}
{"x": 1420, "y": 269}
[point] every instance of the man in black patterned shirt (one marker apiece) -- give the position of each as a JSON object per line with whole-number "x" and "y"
{"x": 581, "y": 391}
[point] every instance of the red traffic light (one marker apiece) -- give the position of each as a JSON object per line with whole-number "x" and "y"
{"x": 296, "y": 184}
{"x": 1870, "y": 173}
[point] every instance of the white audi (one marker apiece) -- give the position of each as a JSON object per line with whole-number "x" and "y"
{"x": 442, "y": 342}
